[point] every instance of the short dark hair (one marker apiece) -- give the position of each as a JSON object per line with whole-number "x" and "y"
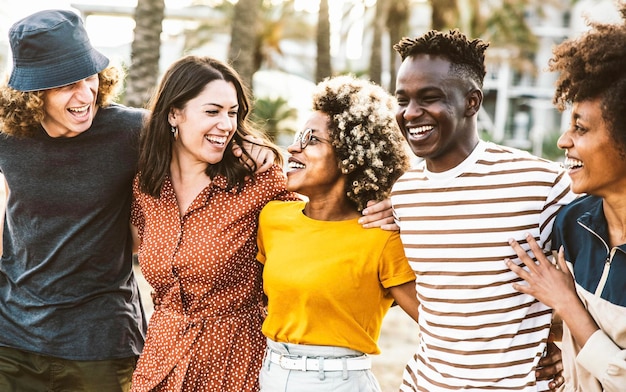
{"x": 593, "y": 66}
{"x": 467, "y": 56}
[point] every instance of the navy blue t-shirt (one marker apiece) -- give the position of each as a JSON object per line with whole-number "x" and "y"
{"x": 66, "y": 283}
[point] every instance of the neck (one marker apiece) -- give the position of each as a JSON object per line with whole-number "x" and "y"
{"x": 329, "y": 209}
{"x": 188, "y": 180}
{"x": 184, "y": 169}
{"x": 615, "y": 214}
{"x": 455, "y": 158}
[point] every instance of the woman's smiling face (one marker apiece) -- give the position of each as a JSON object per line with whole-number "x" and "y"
{"x": 207, "y": 123}
{"x": 593, "y": 159}
{"x": 314, "y": 168}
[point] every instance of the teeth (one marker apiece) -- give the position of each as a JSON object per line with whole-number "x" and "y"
{"x": 295, "y": 165}
{"x": 420, "y": 130}
{"x": 572, "y": 163}
{"x": 79, "y": 110}
{"x": 216, "y": 139}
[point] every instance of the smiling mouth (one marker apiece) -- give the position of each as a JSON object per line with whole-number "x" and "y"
{"x": 571, "y": 164}
{"x": 295, "y": 165}
{"x": 420, "y": 131}
{"x": 219, "y": 140}
{"x": 80, "y": 110}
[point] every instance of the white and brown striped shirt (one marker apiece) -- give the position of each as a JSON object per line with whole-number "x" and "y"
{"x": 476, "y": 332}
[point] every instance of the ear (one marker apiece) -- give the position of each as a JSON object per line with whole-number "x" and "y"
{"x": 171, "y": 117}
{"x": 473, "y": 100}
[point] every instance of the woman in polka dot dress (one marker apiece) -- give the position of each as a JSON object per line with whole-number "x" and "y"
{"x": 196, "y": 207}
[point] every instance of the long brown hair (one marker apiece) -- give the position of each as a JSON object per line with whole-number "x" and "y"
{"x": 183, "y": 81}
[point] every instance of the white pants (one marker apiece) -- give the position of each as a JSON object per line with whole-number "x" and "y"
{"x": 274, "y": 378}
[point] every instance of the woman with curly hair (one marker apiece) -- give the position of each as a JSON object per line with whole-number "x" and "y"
{"x": 329, "y": 282}
{"x": 586, "y": 286}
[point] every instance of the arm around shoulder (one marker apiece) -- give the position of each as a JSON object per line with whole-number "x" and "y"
{"x": 379, "y": 214}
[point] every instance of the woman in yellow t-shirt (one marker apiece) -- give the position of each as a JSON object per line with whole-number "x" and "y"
{"x": 329, "y": 281}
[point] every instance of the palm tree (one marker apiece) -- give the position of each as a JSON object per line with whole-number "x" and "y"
{"x": 273, "y": 23}
{"x": 274, "y": 116}
{"x": 376, "y": 58}
{"x": 244, "y": 38}
{"x": 445, "y": 14}
{"x": 397, "y": 24}
{"x": 279, "y": 21}
{"x": 500, "y": 22}
{"x": 323, "y": 67}
{"x": 143, "y": 72}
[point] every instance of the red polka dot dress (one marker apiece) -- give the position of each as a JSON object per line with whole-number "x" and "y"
{"x": 205, "y": 332}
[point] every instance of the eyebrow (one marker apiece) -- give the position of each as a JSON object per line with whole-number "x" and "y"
{"x": 219, "y": 106}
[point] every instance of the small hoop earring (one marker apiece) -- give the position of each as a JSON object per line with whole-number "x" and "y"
{"x": 174, "y": 132}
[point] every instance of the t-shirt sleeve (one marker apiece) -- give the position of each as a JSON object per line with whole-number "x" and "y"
{"x": 394, "y": 268}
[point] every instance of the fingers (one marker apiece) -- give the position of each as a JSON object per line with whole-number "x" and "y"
{"x": 377, "y": 220}
{"x": 550, "y": 366}
{"x": 521, "y": 253}
{"x": 375, "y": 207}
{"x": 379, "y": 214}
{"x": 516, "y": 268}
{"x": 525, "y": 256}
{"x": 237, "y": 150}
{"x": 562, "y": 264}
{"x": 391, "y": 227}
{"x": 247, "y": 161}
{"x": 552, "y": 360}
{"x": 267, "y": 163}
{"x": 260, "y": 155}
{"x": 519, "y": 271}
{"x": 556, "y": 383}
{"x": 537, "y": 251}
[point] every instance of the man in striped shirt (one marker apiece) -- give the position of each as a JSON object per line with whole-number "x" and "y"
{"x": 457, "y": 210}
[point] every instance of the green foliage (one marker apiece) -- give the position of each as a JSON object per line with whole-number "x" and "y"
{"x": 274, "y": 116}
{"x": 549, "y": 148}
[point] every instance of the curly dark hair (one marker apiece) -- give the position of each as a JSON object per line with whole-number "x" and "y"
{"x": 367, "y": 142}
{"x": 21, "y": 113}
{"x": 467, "y": 56}
{"x": 593, "y": 65}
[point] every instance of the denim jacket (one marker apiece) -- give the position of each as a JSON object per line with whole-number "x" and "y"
{"x": 600, "y": 274}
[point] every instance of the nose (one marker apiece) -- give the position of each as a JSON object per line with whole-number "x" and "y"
{"x": 83, "y": 90}
{"x": 224, "y": 123}
{"x": 412, "y": 110}
{"x": 293, "y": 147}
{"x": 565, "y": 141}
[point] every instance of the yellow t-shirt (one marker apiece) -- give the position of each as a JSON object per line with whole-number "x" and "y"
{"x": 327, "y": 281}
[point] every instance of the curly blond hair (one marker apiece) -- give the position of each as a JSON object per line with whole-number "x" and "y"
{"x": 21, "y": 113}
{"x": 367, "y": 142}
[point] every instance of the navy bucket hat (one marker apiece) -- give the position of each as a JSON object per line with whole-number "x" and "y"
{"x": 51, "y": 49}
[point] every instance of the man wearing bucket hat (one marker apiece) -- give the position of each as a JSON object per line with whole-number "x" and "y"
{"x": 70, "y": 313}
